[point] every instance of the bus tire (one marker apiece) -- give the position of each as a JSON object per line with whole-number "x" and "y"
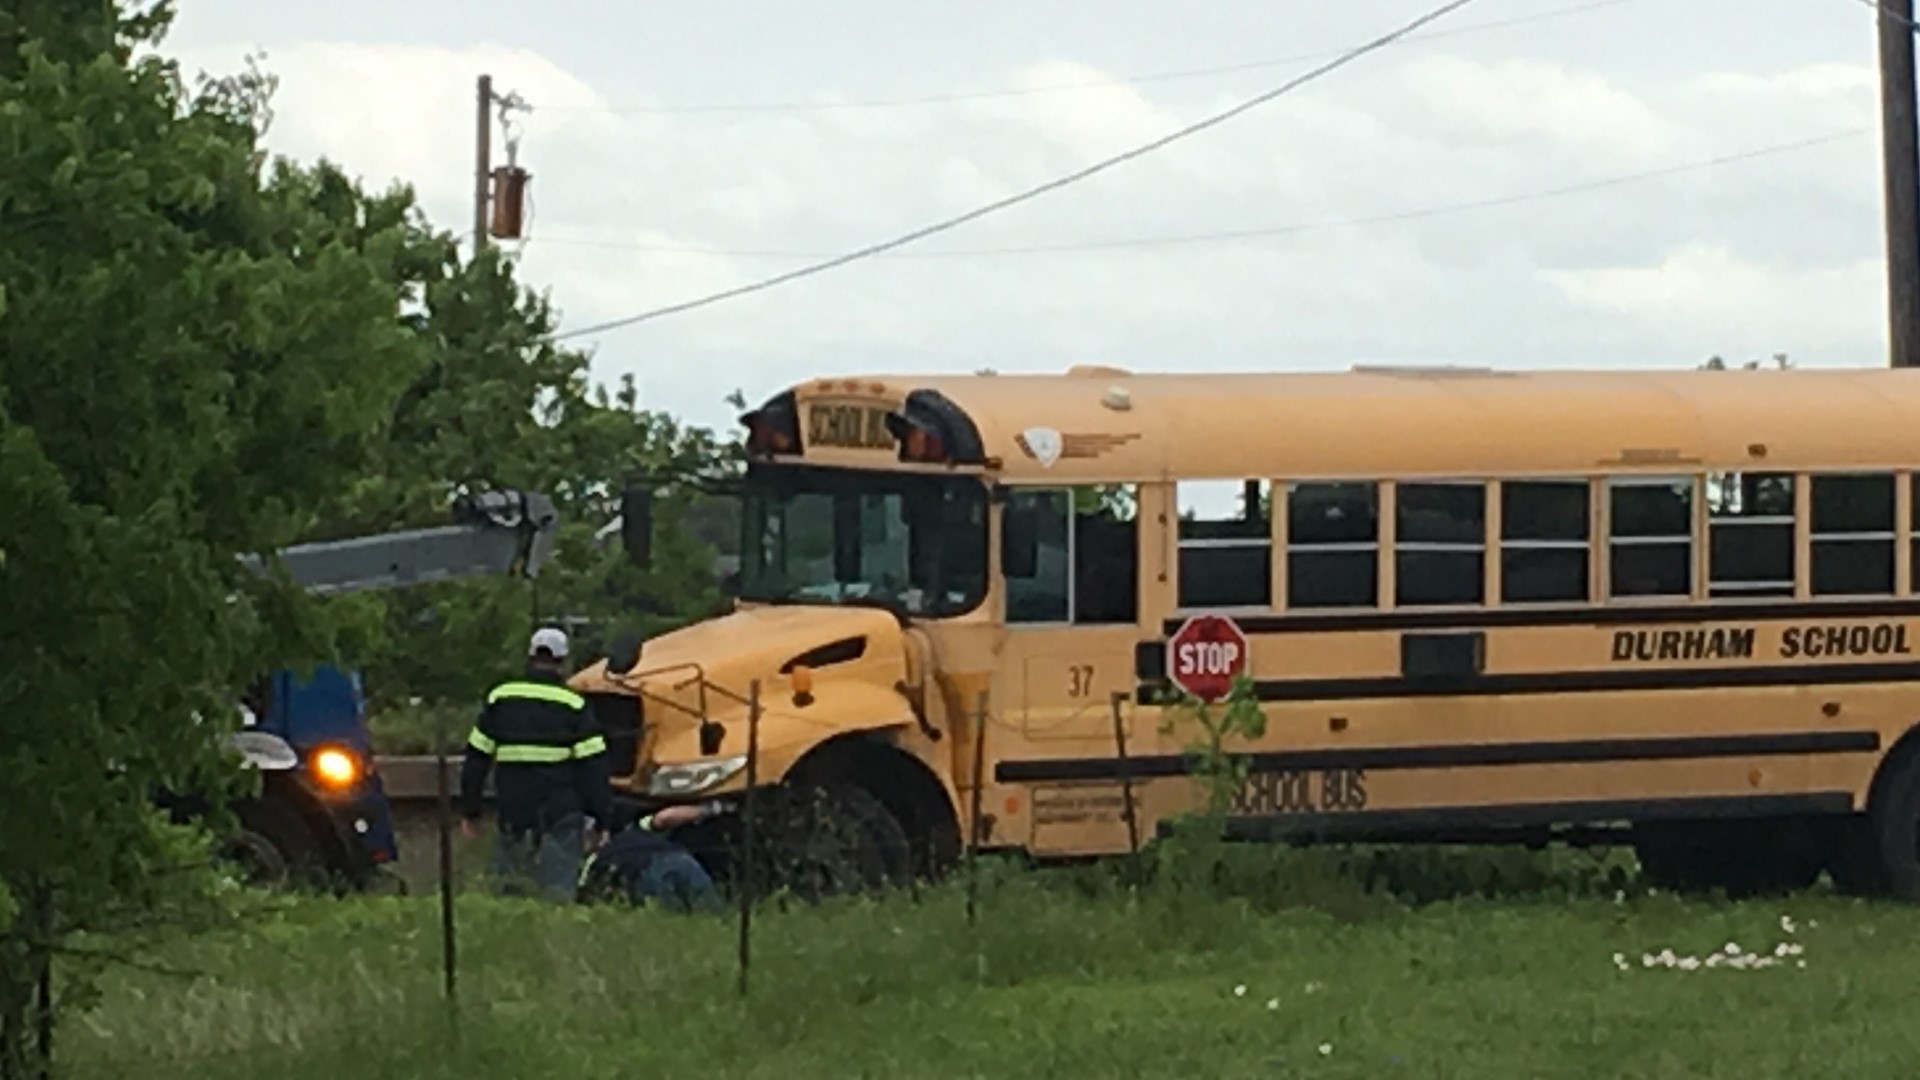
{"x": 837, "y": 839}
{"x": 1896, "y": 828}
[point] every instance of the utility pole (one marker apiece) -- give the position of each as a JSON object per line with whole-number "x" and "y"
{"x": 499, "y": 195}
{"x": 1902, "y": 181}
{"x": 484, "y": 158}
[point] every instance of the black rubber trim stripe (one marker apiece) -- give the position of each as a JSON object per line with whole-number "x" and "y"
{"x": 1490, "y": 618}
{"x": 1465, "y": 755}
{"x": 1571, "y": 682}
{"x": 1361, "y": 824}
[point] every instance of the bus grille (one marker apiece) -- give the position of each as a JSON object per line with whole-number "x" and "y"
{"x": 621, "y": 719}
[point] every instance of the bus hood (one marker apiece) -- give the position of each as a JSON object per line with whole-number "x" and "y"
{"x": 708, "y": 670}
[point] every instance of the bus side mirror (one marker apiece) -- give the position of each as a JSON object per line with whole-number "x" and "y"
{"x": 636, "y": 524}
{"x": 1019, "y": 542}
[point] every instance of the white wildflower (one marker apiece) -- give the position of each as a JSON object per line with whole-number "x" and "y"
{"x": 1786, "y": 923}
{"x": 1326, "y": 1049}
{"x": 1689, "y": 964}
{"x": 1732, "y": 949}
{"x": 1315, "y": 987}
{"x": 1240, "y": 991}
{"x": 1272, "y": 1004}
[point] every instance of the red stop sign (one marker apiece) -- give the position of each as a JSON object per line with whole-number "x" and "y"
{"x": 1205, "y": 655}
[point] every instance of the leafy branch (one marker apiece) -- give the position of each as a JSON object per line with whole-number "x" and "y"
{"x": 1211, "y": 726}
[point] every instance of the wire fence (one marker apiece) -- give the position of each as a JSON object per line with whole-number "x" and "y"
{"x": 783, "y": 899}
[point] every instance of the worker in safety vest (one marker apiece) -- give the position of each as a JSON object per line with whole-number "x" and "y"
{"x": 550, "y": 774}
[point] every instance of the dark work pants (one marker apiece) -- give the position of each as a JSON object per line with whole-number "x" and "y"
{"x": 542, "y": 862}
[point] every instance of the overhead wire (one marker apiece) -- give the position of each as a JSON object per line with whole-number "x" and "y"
{"x": 1028, "y": 195}
{"x": 1173, "y": 75}
{"x": 1517, "y": 198}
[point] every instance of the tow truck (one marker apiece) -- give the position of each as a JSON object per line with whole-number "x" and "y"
{"x": 322, "y": 816}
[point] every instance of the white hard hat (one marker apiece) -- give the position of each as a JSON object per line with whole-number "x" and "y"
{"x": 549, "y": 640}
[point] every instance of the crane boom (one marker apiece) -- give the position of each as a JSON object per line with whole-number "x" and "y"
{"x": 495, "y": 532}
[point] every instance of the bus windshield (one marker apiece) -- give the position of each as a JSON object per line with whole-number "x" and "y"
{"x": 911, "y": 541}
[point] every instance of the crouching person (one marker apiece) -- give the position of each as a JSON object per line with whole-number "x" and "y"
{"x": 644, "y": 865}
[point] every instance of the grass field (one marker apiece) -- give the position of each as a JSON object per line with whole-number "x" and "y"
{"x": 1310, "y": 964}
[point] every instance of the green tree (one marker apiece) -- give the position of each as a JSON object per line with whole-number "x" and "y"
{"x": 196, "y": 348}
{"x": 498, "y": 404}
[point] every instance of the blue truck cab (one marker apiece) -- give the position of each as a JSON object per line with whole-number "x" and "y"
{"x": 322, "y": 813}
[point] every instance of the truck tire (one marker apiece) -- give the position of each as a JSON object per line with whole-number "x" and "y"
{"x": 1896, "y": 827}
{"x": 275, "y": 848}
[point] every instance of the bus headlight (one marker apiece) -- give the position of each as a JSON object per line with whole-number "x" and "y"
{"x": 691, "y": 777}
{"x": 336, "y": 768}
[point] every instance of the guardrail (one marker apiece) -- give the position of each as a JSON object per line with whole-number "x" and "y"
{"x": 410, "y": 778}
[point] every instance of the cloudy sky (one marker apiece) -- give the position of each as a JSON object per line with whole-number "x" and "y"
{"x": 679, "y": 149}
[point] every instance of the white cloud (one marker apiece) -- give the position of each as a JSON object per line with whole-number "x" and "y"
{"x": 1698, "y": 285}
{"x": 1524, "y": 101}
{"x": 1762, "y": 256}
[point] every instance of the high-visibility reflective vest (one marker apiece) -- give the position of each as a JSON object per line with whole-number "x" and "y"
{"x": 551, "y": 761}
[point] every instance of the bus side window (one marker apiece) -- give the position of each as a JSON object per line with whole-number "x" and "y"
{"x": 1750, "y": 534}
{"x": 1333, "y": 540}
{"x": 1087, "y": 566}
{"x": 1650, "y": 551}
{"x": 1106, "y": 555}
{"x": 1853, "y": 534}
{"x": 1043, "y": 596}
{"x": 1226, "y": 544}
{"x": 1439, "y": 547}
{"x": 1546, "y": 537}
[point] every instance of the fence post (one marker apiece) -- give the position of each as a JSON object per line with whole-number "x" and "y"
{"x": 1126, "y": 787}
{"x": 973, "y": 818}
{"x": 449, "y": 986}
{"x": 748, "y": 856}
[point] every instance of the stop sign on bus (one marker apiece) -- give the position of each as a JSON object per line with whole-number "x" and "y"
{"x": 1206, "y": 655}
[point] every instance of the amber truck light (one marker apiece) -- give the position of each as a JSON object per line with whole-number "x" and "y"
{"x": 335, "y": 768}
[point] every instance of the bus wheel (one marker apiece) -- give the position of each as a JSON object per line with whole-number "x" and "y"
{"x": 1896, "y": 829}
{"x": 835, "y": 840}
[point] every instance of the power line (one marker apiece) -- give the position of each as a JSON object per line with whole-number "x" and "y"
{"x": 1271, "y": 230}
{"x": 1031, "y": 193}
{"x": 1176, "y": 75}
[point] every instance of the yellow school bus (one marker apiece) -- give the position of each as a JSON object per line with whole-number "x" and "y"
{"x": 1674, "y": 607}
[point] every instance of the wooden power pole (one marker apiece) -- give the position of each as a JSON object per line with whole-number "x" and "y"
{"x": 1902, "y": 181}
{"x": 484, "y": 158}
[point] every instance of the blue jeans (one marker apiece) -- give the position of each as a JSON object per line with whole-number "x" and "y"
{"x": 649, "y": 867}
{"x": 677, "y": 880}
{"x": 544, "y": 863}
